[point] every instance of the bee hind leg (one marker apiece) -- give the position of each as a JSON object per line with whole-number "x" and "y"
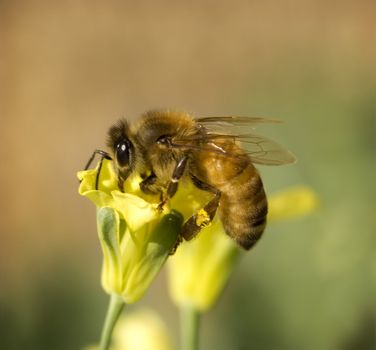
{"x": 205, "y": 215}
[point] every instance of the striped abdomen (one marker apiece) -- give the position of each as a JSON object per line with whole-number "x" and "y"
{"x": 243, "y": 207}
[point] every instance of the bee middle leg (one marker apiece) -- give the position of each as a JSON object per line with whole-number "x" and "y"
{"x": 173, "y": 184}
{"x": 193, "y": 225}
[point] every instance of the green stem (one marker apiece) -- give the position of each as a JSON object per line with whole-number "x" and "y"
{"x": 189, "y": 318}
{"x": 114, "y": 310}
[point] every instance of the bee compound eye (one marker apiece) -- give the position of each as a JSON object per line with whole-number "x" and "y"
{"x": 123, "y": 152}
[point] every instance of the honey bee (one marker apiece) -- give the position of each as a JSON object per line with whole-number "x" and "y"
{"x": 165, "y": 147}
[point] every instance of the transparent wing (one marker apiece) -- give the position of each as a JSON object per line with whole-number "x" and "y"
{"x": 233, "y": 124}
{"x": 261, "y": 150}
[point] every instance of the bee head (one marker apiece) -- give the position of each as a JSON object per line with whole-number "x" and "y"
{"x": 122, "y": 149}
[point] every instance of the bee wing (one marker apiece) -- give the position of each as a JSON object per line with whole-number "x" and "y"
{"x": 232, "y": 124}
{"x": 236, "y": 120}
{"x": 261, "y": 150}
{"x": 264, "y": 151}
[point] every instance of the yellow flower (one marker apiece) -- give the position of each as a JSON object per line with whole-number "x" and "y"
{"x": 142, "y": 329}
{"x": 292, "y": 202}
{"x": 200, "y": 269}
{"x": 135, "y": 237}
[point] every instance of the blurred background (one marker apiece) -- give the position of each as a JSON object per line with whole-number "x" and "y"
{"x": 70, "y": 69}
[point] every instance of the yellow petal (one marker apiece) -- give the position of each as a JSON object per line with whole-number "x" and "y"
{"x": 200, "y": 268}
{"x": 107, "y": 183}
{"x": 189, "y": 199}
{"x": 143, "y": 258}
{"x": 292, "y": 202}
{"x": 135, "y": 210}
{"x": 107, "y": 180}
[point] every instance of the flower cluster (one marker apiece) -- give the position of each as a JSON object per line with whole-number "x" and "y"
{"x": 137, "y": 238}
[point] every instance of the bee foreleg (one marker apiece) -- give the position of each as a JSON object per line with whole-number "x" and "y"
{"x": 104, "y": 155}
{"x": 204, "y": 216}
{"x": 173, "y": 184}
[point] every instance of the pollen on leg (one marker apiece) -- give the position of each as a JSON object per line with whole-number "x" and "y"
{"x": 203, "y": 218}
